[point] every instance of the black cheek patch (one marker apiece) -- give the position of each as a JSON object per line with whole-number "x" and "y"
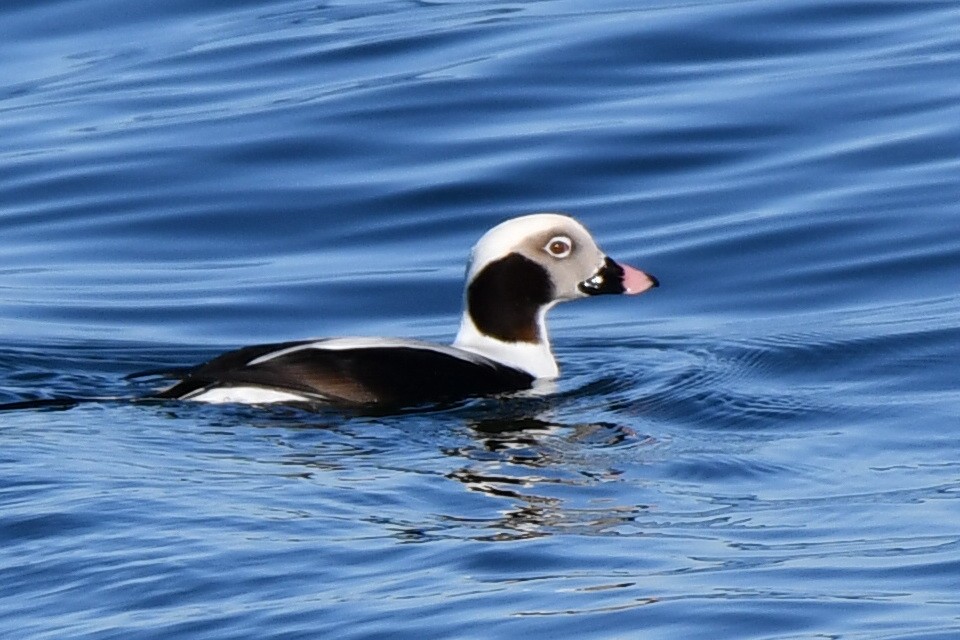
{"x": 504, "y": 298}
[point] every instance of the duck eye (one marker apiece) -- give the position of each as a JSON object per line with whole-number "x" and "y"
{"x": 559, "y": 247}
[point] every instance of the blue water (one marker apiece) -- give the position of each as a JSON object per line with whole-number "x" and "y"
{"x": 765, "y": 447}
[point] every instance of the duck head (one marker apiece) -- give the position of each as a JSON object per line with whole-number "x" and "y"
{"x": 522, "y": 267}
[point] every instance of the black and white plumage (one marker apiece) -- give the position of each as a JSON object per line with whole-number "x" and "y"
{"x": 518, "y": 271}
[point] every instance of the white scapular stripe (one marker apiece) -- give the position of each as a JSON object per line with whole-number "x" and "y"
{"x": 342, "y": 344}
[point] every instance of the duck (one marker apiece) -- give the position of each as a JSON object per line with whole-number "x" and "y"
{"x": 518, "y": 271}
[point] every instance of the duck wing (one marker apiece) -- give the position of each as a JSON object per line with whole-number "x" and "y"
{"x": 353, "y": 372}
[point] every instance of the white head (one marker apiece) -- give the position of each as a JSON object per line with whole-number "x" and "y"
{"x": 518, "y": 271}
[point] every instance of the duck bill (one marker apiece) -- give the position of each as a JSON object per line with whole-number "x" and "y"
{"x": 614, "y": 277}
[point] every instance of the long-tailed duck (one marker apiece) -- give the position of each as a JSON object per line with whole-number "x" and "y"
{"x": 518, "y": 271}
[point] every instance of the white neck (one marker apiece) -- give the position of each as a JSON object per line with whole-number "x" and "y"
{"x": 533, "y": 357}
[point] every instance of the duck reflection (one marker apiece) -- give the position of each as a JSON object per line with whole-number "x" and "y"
{"x": 542, "y": 467}
{"x": 544, "y": 475}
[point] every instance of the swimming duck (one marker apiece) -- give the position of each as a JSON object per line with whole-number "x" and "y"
{"x": 518, "y": 271}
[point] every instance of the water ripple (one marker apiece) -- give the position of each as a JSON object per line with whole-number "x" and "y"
{"x": 762, "y": 448}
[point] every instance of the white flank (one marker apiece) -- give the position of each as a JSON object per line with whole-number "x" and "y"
{"x": 246, "y": 395}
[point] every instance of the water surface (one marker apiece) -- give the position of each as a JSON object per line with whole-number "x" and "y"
{"x": 765, "y": 447}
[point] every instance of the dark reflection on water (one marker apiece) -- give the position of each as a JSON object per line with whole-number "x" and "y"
{"x": 514, "y": 460}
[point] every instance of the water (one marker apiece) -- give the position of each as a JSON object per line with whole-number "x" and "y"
{"x": 765, "y": 447}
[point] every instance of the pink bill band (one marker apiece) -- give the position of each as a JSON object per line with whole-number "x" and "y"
{"x": 636, "y": 281}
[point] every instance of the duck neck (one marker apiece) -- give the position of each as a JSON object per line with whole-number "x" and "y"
{"x": 535, "y": 357}
{"x": 505, "y": 307}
